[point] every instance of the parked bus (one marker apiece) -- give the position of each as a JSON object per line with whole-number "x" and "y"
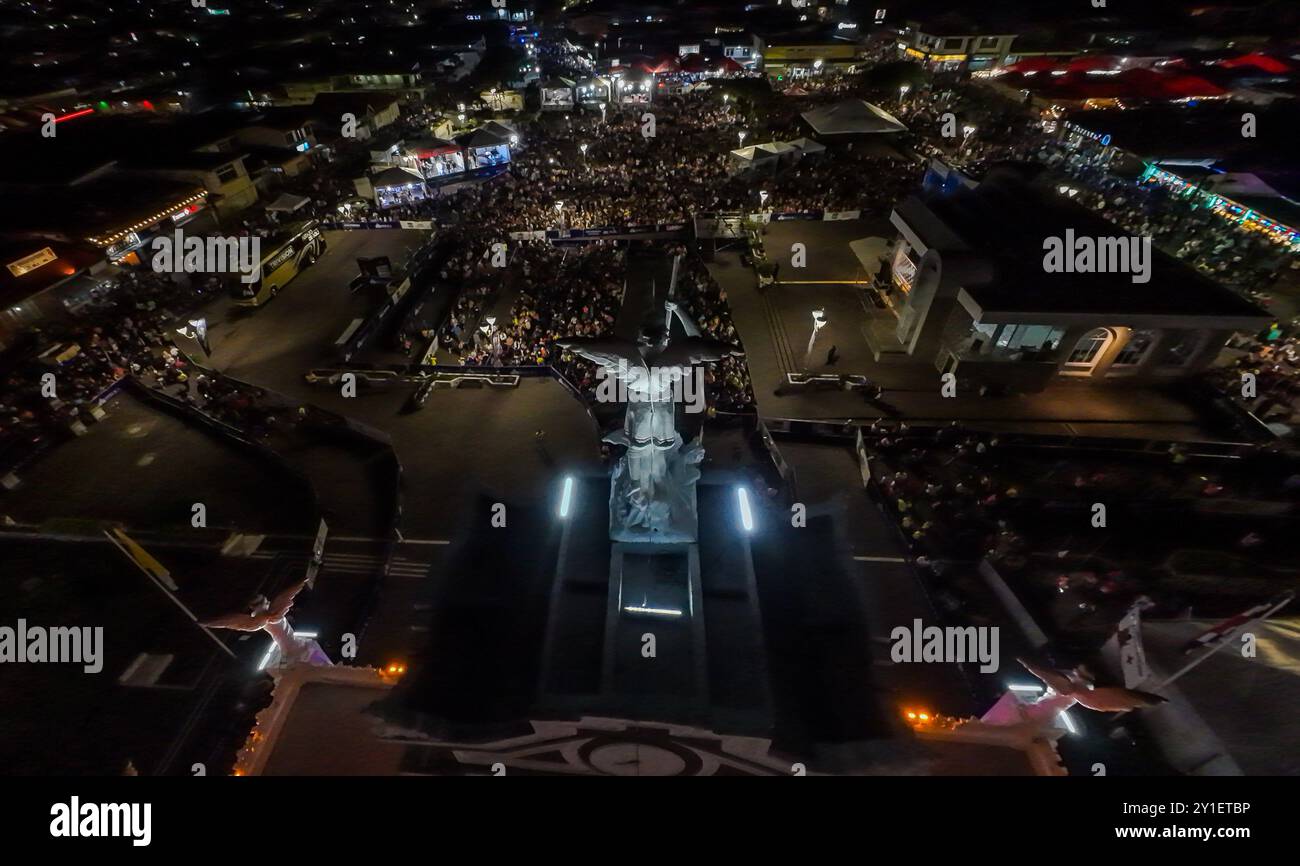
{"x": 291, "y": 250}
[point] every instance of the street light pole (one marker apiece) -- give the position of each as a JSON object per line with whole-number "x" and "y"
{"x": 819, "y": 322}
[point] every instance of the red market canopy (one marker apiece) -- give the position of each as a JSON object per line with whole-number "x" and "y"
{"x": 699, "y": 63}
{"x": 1134, "y": 83}
{"x": 666, "y": 65}
{"x": 636, "y": 62}
{"x": 1089, "y": 62}
{"x": 1032, "y": 64}
{"x": 437, "y": 150}
{"x": 1259, "y": 61}
{"x": 1187, "y": 86}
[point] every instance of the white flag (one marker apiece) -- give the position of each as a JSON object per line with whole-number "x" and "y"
{"x": 1132, "y": 658}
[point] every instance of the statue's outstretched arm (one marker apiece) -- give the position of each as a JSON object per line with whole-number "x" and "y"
{"x": 693, "y": 350}
{"x": 606, "y": 351}
{"x": 688, "y": 325}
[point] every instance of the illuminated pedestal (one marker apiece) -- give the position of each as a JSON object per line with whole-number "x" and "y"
{"x": 628, "y": 629}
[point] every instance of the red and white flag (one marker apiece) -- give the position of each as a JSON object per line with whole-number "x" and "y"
{"x": 1215, "y": 634}
{"x": 1132, "y": 657}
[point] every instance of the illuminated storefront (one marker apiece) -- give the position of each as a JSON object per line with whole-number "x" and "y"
{"x": 972, "y": 294}
{"x": 937, "y": 62}
{"x": 1248, "y": 218}
{"x": 903, "y": 267}
{"x": 121, "y": 244}
{"x": 557, "y": 95}
{"x": 439, "y": 161}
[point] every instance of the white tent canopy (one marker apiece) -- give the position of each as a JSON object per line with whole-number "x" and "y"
{"x": 808, "y": 146}
{"x": 852, "y": 117}
{"x": 773, "y": 153}
{"x": 754, "y": 156}
{"x": 288, "y": 203}
{"x": 871, "y": 253}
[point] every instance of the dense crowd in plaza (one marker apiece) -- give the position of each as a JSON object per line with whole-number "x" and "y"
{"x": 585, "y": 169}
{"x": 626, "y": 177}
{"x": 961, "y": 496}
{"x": 475, "y": 281}
{"x": 1234, "y": 256}
{"x": 727, "y": 384}
{"x": 573, "y": 292}
{"x": 1274, "y": 392}
{"x": 123, "y": 330}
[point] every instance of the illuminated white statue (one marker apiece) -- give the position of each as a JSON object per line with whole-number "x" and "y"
{"x": 652, "y": 490}
{"x": 270, "y": 616}
{"x": 1075, "y": 686}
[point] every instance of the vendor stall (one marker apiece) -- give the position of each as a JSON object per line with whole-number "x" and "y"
{"x": 593, "y": 92}
{"x": 635, "y": 87}
{"x": 434, "y": 159}
{"x": 484, "y": 148}
{"x": 397, "y": 186}
{"x": 557, "y": 95}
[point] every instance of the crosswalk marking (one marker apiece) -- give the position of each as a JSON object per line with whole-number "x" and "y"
{"x": 361, "y": 539}
{"x": 880, "y": 558}
{"x": 241, "y": 544}
{"x": 355, "y": 563}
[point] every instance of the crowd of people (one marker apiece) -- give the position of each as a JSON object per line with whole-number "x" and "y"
{"x": 468, "y": 271}
{"x": 618, "y": 168}
{"x": 634, "y": 172}
{"x": 962, "y": 496}
{"x": 1273, "y": 392}
{"x": 1182, "y": 226}
{"x": 559, "y": 292}
{"x": 122, "y": 330}
{"x": 726, "y": 382}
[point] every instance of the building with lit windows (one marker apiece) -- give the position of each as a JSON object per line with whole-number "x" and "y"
{"x": 800, "y": 57}
{"x": 952, "y": 47}
{"x": 972, "y": 293}
{"x": 1201, "y": 154}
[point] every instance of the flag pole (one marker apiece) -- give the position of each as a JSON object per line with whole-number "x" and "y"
{"x": 170, "y": 595}
{"x": 1231, "y": 636}
{"x": 1227, "y": 640}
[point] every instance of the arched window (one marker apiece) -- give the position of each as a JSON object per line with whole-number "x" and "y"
{"x": 1139, "y": 344}
{"x": 1090, "y": 346}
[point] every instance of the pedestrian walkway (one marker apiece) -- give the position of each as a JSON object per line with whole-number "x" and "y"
{"x": 646, "y": 288}
{"x": 767, "y": 322}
